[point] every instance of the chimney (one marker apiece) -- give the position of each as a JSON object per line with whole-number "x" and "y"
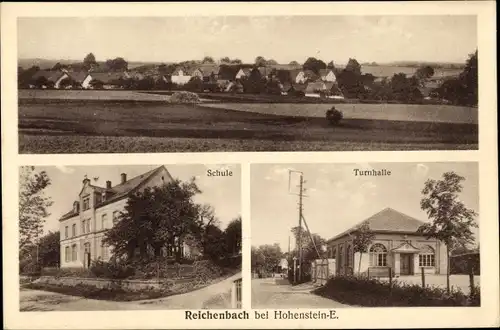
{"x": 124, "y": 177}
{"x": 108, "y": 184}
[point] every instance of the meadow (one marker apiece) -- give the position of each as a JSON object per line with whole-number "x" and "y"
{"x": 120, "y": 126}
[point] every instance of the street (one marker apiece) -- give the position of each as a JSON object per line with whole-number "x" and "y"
{"x": 278, "y": 293}
{"x": 211, "y": 297}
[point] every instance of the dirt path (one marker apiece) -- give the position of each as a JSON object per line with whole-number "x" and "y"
{"x": 208, "y": 297}
{"x": 273, "y": 293}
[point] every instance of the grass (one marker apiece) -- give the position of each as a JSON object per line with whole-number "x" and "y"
{"x": 138, "y": 127}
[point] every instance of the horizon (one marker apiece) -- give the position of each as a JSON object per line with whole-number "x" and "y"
{"x": 434, "y": 39}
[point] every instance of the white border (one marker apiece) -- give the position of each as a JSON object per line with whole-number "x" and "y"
{"x": 486, "y": 315}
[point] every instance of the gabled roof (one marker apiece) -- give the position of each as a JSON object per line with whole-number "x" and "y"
{"x": 208, "y": 69}
{"x": 108, "y": 77}
{"x": 79, "y": 76}
{"x": 315, "y": 86}
{"x": 49, "y": 75}
{"x": 324, "y": 72}
{"x": 388, "y": 220}
{"x": 121, "y": 190}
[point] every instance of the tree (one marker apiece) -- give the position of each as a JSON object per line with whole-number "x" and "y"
{"x": 271, "y": 62}
{"x": 260, "y": 61}
{"x": 117, "y": 64}
{"x": 233, "y": 236}
{"x": 33, "y": 204}
{"x": 294, "y": 63}
{"x": 361, "y": 239}
{"x": 353, "y": 66}
{"x": 314, "y": 65}
{"x": 194, "y": 84}
{"x": 89, "y": 61}
{"x": 156, "y": 218}
{"x": 452, "y": 221}
{"x": 236, "y": 61}
{"x": 266, "y": 258}
{"x": 225, "y": 60}
{"x": 330, "y": 65}
{"x": 309, "y": 247}
{"x": 49, "y": 249}
{"x": 208, "y": 60}
{"x": 424, "y": 72}
{"x": 469, "y": 79}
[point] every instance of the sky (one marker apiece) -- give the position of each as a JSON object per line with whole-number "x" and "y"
{"x": 437, "y": 38}
{"x": 223, "y": 193}
{"x": 337, "y": 199}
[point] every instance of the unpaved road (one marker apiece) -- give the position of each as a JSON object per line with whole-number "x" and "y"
{"x": 213, "y": 296}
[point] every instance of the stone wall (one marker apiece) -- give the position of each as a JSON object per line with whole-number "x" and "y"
{"x": 127, "y": 285}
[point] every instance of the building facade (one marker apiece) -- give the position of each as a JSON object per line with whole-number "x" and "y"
{"x": 95, "y": 211}
{"x": 396, "y": 247}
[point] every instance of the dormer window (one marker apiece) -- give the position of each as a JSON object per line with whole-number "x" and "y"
{"x": 76, "y": 207}
{"x": 86, "y": 203}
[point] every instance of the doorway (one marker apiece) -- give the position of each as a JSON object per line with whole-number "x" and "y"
{"x": 406, "y": 263}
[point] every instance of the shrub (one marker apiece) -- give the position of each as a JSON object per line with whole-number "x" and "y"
{"x": 113, "y": 270}
{"x": 371, "y": 292}
{"x": 334, "y": 116}
{"x": 30, "y": 268}
{"x": 184, "y": 98}
{"x": 206, "y": 270}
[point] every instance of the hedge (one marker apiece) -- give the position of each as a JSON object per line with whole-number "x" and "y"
{"x": 357, "y": 291}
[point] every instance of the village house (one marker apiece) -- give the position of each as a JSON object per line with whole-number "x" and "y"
{"x": 396, "y": 246}
{"x": 243, "y": 72}
{"x": 302, "y": 76}
{"x": 96, "y": 210}
{"x": 107, "y": 80}
{"x": 181, "y": 76}
{"x": 327, "y": 75}
{"x": 210, "y": 72}
{"x": 48, "y": 78}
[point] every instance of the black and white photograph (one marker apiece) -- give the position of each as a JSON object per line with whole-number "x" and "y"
{"x": 365, "y": 235}
{"x": 247, "y": 83}
{"x": 129, "y": 237}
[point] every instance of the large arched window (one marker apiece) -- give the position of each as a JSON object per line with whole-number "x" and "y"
{"x": 349, "y": 256}
{"x": 333, "y": 253}
{"x": 378, "y": 255}
{"x": 426, "y": 257}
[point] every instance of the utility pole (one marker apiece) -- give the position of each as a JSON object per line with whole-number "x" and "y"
{"x": 298, "y": 241}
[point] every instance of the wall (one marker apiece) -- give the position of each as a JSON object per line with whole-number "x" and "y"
{"x": 390, "y": 241}
{"x": 128, "y": 285}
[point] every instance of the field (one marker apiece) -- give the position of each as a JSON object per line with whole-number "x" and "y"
{"x": 102, "y": 122}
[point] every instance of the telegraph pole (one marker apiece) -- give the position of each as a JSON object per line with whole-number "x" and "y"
{"x": 300, "y": 225}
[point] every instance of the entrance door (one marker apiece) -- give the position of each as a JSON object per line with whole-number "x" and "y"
{"x": 86, "y": 260}
{"x": 406, "y": 263}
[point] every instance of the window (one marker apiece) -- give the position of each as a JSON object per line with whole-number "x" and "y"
{"x": 116, "y": 217}
{"x": 73, "y": 252}
{"x": 104, "y": 252}
{"x": 86, "y": 203}
{"x": 87, "y": 226}
{"x": 349, "y": 256}
{"x": 378, "y": 255}
{"x": 66, "y": 235}
{"x": 104, "y": 221}
{"x": 66, "y": 254}
{"x": 334, "y": 253}
{"x": 426, "y": 257}
{"x": 73, "y": 229}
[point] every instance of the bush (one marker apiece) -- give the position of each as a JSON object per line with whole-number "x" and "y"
{"x": 206, "y": 270}
{"x": 30, "y": 267}
{"x": 184, "y": 97}
{"x": 113, "y": 270}
{"x": 371, "y": 292}
{"x": 334, "y": 116}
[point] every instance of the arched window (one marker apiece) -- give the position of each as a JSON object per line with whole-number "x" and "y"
{"x": 426, "y": 257}
{"x": 333, "y": 253}
{"x": 349, "y": 256}
{"x": 378, "y": 255}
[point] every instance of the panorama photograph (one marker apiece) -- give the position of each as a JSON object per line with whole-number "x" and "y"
{"x": 247, "y": 83}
